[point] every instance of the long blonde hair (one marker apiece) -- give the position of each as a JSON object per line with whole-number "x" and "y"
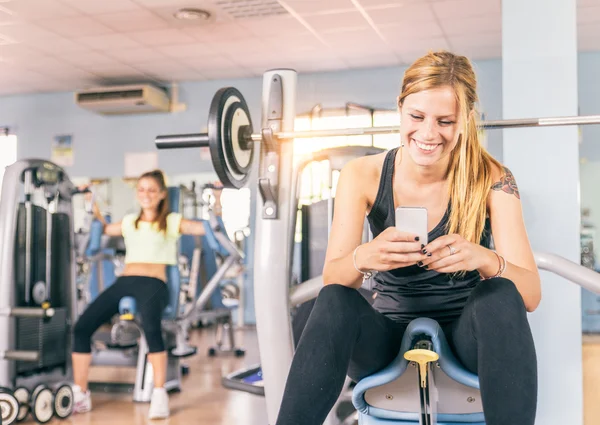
{"x": 471, "y": 166}
{"x": 163, "y": 207}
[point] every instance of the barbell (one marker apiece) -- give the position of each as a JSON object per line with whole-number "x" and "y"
{"x": 231, "y": 140}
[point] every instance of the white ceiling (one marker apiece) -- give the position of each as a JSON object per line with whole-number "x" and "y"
{"x": 57, "y": 45}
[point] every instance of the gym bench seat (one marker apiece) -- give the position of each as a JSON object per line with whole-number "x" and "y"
{"x": 398, "y": 395}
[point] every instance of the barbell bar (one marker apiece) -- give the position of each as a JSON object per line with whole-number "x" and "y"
{"x": 230, "y": 137}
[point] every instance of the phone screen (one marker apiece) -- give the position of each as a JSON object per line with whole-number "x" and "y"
{"x": 413, "y": 220}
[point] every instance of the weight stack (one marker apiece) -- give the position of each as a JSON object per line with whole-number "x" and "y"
{"x": 46, "y": 336}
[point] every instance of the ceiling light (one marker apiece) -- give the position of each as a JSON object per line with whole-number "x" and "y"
{"x": 192, "y": 14}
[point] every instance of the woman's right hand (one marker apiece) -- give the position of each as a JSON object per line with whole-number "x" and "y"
{"x": 391, "y": 249}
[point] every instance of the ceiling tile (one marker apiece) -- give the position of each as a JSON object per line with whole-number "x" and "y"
{"x": 332, "y": 22}
{"x": 319, "y": 66}
{"x": 7, "y": 16}
{"x": 587, "y": 15}
{"x": 375, "y": 4}
{"x": 114, "y": 71}
{"x": 306, "y": 42}
{"x": 263, "y": 62}
{"x": 404, "y": 33}
{"x": 461, "y": 9}
{"x": 482, "y": 39}
{"x": 181, "y": 3}
{"x": 315, "y": 55}
{"x": 403, "y": 14}
{"x": 17, "y": 54}
{"x": 226, "y": 31}
{"x": 209, "y": 63}
{"x": 109, "y": 42}
{"x": 195, "y": 50}
{"x": 161, "y": 37}
{"x": 311, "y": 7}
{"x": 273, "y": 26}
{"x": 76, "y": 27}
{"x": 159, "y": 66}
{"x": 57, "y": 45}
{"x": 422, "y": 45}
{"x": 136, "y": 55}
{"x": 247, "y": 46}
{"x": 176, "y": 75}
{"x": 588, "y": 31}
{"x": 472, "y": 26}
{"x": 361, "y": 36}
{"x": 4, "y": 40}
{"x": 87, "y": 59}
{"x": 366, "y": 61}
{"x": 228, "y": 73}
{"x": 54, "y": 69}
{"x": 98, "y": 7}
{"x": 141, "y": 20}
{"x": 25, "y": 32}
{"x": 36, "y": 10}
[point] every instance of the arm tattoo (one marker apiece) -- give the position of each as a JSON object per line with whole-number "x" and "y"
{"x": 507, "y": 184}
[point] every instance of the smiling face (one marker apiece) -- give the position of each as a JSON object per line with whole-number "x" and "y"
{"x": 149, "y": 193}
{"x": 429, "y": 125}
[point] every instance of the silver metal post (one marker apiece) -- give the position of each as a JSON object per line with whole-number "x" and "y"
{"x": 28, "y": 183}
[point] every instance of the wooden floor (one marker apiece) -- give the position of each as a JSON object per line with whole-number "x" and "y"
{"x": 204, "y": 401}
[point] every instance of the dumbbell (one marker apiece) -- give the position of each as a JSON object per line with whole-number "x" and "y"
{"x": 44, "y": 402}
{"x": 9, "y": 406}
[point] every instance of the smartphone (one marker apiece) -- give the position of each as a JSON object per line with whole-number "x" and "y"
{"x": 413, "y": 220}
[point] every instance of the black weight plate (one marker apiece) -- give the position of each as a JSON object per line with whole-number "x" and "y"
{"x": 236, "y": 120}
{"x": 223, "y": 99}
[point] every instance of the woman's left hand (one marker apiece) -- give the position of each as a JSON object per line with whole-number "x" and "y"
{"x": 452, "y": 253}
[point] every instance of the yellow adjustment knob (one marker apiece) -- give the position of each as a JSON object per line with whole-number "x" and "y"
{"x": 423, "y": 357}
{"x": 126, "y": 316}
{"x": 45, "y": 305}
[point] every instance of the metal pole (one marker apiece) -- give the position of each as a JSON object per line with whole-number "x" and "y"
{"x": 498, "y": 124}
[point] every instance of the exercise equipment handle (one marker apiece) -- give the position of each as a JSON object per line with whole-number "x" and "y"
{"x": 175, "y": 141}
{"x": 20, "y": 355}
{"x": 41, "y": 313}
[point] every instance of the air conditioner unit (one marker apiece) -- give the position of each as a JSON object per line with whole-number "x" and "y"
{"x": 130, "y": 99}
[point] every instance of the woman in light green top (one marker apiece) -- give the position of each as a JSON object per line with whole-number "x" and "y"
{"x": 151, "y": 245}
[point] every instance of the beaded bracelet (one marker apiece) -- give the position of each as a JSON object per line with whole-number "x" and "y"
{"x": 366, "y": 275}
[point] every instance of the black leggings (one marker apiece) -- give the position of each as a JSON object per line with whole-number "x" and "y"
{"x": 151, "y": 296}
{"x": 345, "y": 335}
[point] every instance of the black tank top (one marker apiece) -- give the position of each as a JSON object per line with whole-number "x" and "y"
{"x": 407, "y": 293}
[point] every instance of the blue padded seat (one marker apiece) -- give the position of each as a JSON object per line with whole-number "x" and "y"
{"x": 94, "y": 247}
{"x": 391, "y": 396}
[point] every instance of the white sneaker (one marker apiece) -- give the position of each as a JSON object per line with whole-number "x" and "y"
{"x": 159, "y": 404}
{"x": 82, "y": 401}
